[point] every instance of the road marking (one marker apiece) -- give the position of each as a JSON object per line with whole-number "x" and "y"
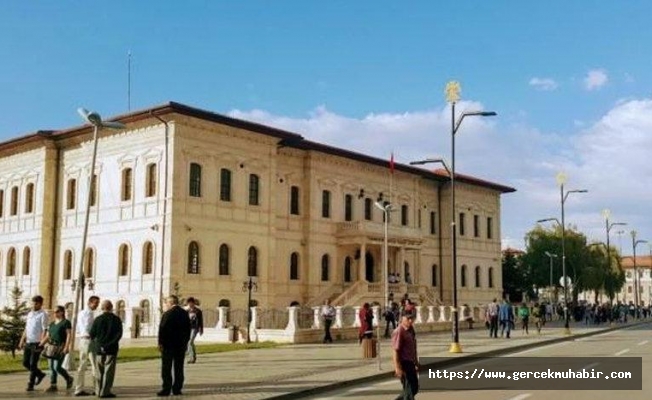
{"x": 521, "y": 396}
{"x": 643, "y": 342}
{"x": 621, "y": 352}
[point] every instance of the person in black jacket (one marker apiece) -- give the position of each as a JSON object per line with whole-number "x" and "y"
{"x": 173, "y": 337}
{"x": 105, "y": 335}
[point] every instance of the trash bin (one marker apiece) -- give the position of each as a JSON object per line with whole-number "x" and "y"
{"x": 369, "y": 348}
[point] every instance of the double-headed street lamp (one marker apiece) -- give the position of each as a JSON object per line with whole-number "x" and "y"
{"x": 636, "y": 280}
{"x": 94, "y": 119}
{"x": 551, "y": 256}
{"x": 606, "y": 213}
{"x": 249, "y": 286}
{"x": 386, "y": 209}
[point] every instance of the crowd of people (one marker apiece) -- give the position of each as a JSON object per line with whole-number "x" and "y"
{"x": 99, "y": 338}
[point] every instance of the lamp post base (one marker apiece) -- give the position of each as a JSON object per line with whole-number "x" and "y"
{"x": 567, "y": 331}
{"x": 455, "y": 348}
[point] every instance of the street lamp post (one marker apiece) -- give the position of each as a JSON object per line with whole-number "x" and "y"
{"x": 94, "y": 119}
{"x": 636, "y": 280}
{"x": 386, "y": 209}
{"x": 551, "y": 256}
{"x": 249, "y": 286}
{"x": 606, "y": 213}
{"x": 84, "y": 282}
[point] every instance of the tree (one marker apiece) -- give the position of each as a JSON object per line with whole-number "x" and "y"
{"x": 12, "y": 322}
{"x": 516, "y": 278}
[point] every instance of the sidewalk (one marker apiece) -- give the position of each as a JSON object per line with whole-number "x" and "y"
{"x": 264, "y": 373}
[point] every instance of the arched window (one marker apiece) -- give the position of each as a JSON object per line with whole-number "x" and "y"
{"x": 254, "y": 189}
{"x": 225, "y": 184}
{"x": 434, "y": 274}
{"x": 123, "y": 260}
{"x": 294, "y": 266}
{"x": 27, "y": 260}
{"x": 71, "y": 194}
{"x": 477, "y": 276}
{"x": 347, "y": 269}
{"x": 325, "y": 267}
{"x": 89, "y": 263}
{"x": 11, "y": 262}
{"x": 463, "y": 278}
{"x": 14, "y": 201}
{"x": 144, "y": 305}
{"x": 195, "y": 180}
{"x": 120, "y": 308}
{"x": 404, "y": 215}
{"x": 491, "y": 277}
{"x": 29, "y": 198}
{"x": 224, "y": 261}
{"x": 148, "y": 258}
{"x": 252, "y": 262}
{"x": 127, "y": 184}
{"x": 67, "y": 265}
{"x": 224, "y": 303}
{"x": 193, "y": 257}
{"x": 150, "y": 184}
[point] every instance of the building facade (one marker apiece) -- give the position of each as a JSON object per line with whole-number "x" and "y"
{"x": 190, "y": 201}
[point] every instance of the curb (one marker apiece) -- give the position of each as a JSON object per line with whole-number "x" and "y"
{"x": 447, "y": 363}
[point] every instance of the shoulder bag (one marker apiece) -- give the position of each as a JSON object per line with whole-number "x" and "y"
{"x": 52, "y": 351}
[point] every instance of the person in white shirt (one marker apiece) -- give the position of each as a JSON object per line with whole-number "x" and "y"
{"x": 328, "y": 313}
{"x": 35, "y": 328}
{"x": 84, "y": 323}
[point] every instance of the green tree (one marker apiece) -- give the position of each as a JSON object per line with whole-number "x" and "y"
{"x": 12, "y": 322}
{"x": 516, "y": 278}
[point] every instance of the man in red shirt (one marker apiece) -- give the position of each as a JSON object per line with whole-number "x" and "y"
{"x": 406, "y": 363}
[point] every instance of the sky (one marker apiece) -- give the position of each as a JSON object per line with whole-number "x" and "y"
{"x": 571, "y": 83}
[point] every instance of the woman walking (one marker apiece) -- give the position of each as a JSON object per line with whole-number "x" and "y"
{"x": 59, "y": 335}
{"x": 524, "y": 313}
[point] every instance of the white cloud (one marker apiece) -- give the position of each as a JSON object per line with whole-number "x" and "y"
{"x": 608, "y": 157}
{"x": 545, "y": 84}
{"x": 595, "y": 79}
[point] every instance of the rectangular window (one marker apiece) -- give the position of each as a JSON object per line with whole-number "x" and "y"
{"x": 94, "y": 190}
{"x": 348, "y": 207}
{"x": 325, "y": 204}
{"x": 225, "y": 184}
{"x": 2, "y": 202}
{"x": 127, "y": 176}
{"x": 29, "y": 198}
{"x": 419, "y": 218}
{"x": 294, "y": 200}
{"x": 253, "y": 189}
{"x": 195, "y": 180}
{"x": 433, "y": 223}
{"x": 150, "y": 183}
{"x": 71, "y": 195}
{"x": 476, "y": 226}
{"x": 368, "y": 209}
{"x": 490, "y": 228}
{"x": 404, "y": 215}
{"x": 462, "y": 223}
{"x": 14, "y": 201}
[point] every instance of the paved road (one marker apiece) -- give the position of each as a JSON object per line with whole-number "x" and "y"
{"x": 633, "y": 342}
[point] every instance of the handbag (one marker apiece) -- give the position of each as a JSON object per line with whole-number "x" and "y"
{"x": 52, "y": 351}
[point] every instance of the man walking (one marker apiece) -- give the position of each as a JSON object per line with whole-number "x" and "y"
{"x": 196, "y": 327}
{"x": 506, "y": 316}
{"x": 173, "y": 337}
{"x": 105, "y": 335}
{"x": 35, "y": 328}
{"x": 328, "y": 314}
{"x": 492, "y": 315}
{"x": 86, "y": 319}
{"x": 406, "y": 363}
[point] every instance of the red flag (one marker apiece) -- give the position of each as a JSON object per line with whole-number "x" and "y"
{"x": 391, "y": 164}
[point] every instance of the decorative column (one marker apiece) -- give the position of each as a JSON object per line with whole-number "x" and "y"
{"x": 292, "y": 320}
{"x": 376, "y": 312}
{"x": 431, "y": 314}
{"x": 338, "y": 317}
{"x": 418, "y": 319}
{"x": 461, "y": 313}
{"x": 357, "y": 323}
{"x": 221, "y": 317}
{"x": 315, "y": 320}
{"x": 442, "y": 314}
{"x": 254, "y": 318}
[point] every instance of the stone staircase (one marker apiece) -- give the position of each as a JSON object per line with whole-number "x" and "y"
{"x": 370, "y": 292}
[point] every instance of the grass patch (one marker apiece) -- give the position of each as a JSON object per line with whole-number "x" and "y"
{"x": 128, "y": 354}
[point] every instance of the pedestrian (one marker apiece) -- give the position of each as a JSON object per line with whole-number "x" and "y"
{"x": 105, "y": 335}
{"x": 524, "y": 314}
{"x": 492, "y": 317}
{"x": 84, "y": 324}
{"x": 173, "y": 338}
{"x": 366, "y": 322}
{"x": 506, "y": 317}
{"x": 196, "y": 327}
{"x": 58, "y": 335}
{"x": 328, "y": 314}
{"x": 406, "y": 362}
{"x": 390, "y": 318}
{"x": 36, "y": 325}
{"x": 536, "y": 317}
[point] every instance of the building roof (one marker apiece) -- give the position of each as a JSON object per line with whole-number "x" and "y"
{"x": 287, "y": 139}
{"x": 627, "y": 262}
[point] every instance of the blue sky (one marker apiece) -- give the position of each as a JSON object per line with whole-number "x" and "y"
{"x": 564, "y": 77}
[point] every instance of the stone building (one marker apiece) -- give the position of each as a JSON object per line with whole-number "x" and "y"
{"x": 199, "y": 201}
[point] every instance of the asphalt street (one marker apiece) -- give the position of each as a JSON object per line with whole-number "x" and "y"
{"x": 632, "y": 342}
